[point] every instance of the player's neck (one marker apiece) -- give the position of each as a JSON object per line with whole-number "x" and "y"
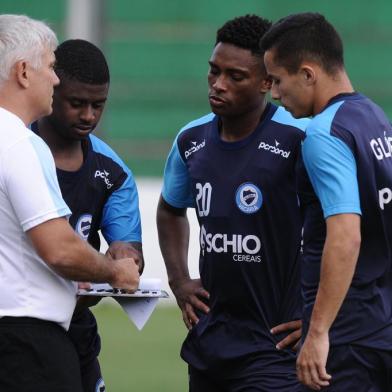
{"x": 235, "y": 128}
{"x": 68, "y": 154}
{"x": 331, "y": 87}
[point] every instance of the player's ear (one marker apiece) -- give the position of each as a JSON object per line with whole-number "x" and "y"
{"x": 22, "y": 73}
{"x": 266, "y": 84}
{"x": 308, "y": 74}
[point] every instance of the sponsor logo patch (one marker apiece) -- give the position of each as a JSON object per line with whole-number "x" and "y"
{"x": 275, "y": 149}
{"x": 195, "y": 147}
{"x": 105, "y": 176}
{"x": 243, "y": 247}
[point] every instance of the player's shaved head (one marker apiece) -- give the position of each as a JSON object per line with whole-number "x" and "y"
{"x": 80, "y": 60}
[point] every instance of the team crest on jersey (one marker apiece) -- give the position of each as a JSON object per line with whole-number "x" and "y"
{"x": 248, "y": 198}
{"x": 100, "y": 387}
{"x": 83, "y": 226}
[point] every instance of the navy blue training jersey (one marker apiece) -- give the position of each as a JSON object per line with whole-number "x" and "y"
{"x": 101, "y": 195}
{"x": 347, "y": 155}
{"x": 246, "y": 202}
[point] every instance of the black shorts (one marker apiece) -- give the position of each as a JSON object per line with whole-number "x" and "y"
{"x": 37, "y": 355}
{"x": 249, "y": 374}
{"x": 83, "y": 333}
{"x": 92, "y": 377}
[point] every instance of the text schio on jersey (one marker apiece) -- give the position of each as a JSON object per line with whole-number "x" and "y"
{"x": 242, "y": 247}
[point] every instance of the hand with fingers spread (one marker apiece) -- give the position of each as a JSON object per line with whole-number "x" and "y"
{"x": 312, "y": 360}
{"x": 292, "y": 340}
{"x": 190, "y": 296}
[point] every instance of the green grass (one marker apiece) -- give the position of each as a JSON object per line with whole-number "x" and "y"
{"x": 146, "y": 360}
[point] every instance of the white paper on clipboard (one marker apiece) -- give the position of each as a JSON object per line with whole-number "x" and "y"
{"x": 139, "y": 305}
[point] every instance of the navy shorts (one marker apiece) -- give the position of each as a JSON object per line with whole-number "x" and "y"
{"x": 37, "y": 355}
{"x": 246, "y": 375}
{"x": 92, "y": 377}
{"x": 358, "y": 369}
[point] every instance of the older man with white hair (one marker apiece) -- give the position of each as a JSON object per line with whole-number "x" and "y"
{"x": 40, "y": 255}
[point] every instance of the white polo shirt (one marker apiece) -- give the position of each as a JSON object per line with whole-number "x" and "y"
{"x": 29, "y": 195}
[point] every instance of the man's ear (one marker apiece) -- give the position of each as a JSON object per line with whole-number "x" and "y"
{"x": 266, "y": 85}
{"x": 22, "y": 73}
{"x": 308, "y": 74}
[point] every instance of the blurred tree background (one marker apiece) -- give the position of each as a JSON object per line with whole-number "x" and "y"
{"x": 158, "y": 52}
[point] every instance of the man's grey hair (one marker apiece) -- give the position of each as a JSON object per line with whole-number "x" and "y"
{"x": 23, "y": 38}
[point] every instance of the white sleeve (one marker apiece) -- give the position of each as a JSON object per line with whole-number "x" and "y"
{"x": 31, "y": 184}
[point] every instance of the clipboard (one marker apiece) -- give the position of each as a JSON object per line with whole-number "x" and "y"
{"x": 138, "y": 305}
{"x": 105, "y": 290}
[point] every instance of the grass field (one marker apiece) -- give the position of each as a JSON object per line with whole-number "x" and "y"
{"x": 146, "y": 360}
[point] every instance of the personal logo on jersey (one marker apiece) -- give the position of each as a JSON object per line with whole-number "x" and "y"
{"x": 100, "y": 387}
{"x": 275, "y": 149}
{"x": 83, "y": 226}
{"x": 248, "y": 198}
{"x": 105, "y": 176}
{"x": 194, "y": 147}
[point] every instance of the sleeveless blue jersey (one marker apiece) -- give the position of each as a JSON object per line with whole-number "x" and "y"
{"x": 250, "y": 227}
{"x": 347, "y": 155}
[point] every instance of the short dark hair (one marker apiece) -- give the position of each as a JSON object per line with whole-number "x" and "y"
{"x": 77, "y": 59}
{"x": 244, "y": 32}
{"x": 305, "y": 36}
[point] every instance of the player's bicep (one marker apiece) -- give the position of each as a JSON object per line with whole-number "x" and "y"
{"x": 332, "y": 170}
